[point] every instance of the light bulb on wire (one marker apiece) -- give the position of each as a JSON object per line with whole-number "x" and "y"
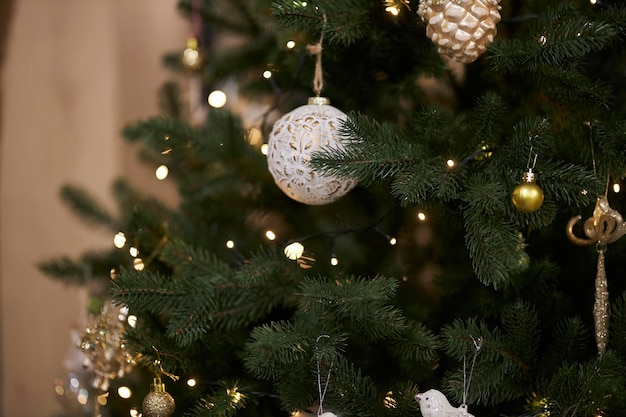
{"x": 294, "y": 250}
{"x": 162, "y": 172}
{"x": 119, "y": 240}
{"x": 217, "y": 99}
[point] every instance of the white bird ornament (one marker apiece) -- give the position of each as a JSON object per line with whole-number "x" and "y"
{"x": 434, "y": 404}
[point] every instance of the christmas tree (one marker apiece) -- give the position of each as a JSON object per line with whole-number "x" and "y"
{"x": 447, "y": 228}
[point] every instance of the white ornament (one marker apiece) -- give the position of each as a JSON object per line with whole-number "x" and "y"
{"x": 461, "y": 29}
{"x": 434, "y": 404}
{"x": 293, "y": 140}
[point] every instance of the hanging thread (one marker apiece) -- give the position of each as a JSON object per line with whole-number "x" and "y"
{"x": 196, "y": 19}
{"x": 467, "y": 380}
{"x": 321, "y": 390}
{"x": 316, "y": 49}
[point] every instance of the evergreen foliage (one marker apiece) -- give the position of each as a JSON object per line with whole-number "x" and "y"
{"x": 490, "y": 305}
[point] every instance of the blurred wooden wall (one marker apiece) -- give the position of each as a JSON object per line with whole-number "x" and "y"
{"x": 73, "y": 73}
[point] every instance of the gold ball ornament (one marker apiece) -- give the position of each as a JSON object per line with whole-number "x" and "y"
{"x": 461, "y": 29}
{"x": 158, "y": 402}
{"x": 528, "y": 196}
{"x": 291, "y": 144}
{"x": 192, "y": 57}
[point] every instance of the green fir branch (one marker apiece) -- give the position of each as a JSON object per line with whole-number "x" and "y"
{"x": 567, "y": 346}
{"x": 147, "y": 291}
{"x": 357, "y": 304}
{"x": 346, "y": 21}
{"x": 273, "y": 346}
{"x": 224, "y": 401}
{"x": 90, "y": 266}
{"x": 585, "y": 388}
{"x": 161, "y": 134}
{"x": 351, "y": 391}
{"x": 373, "y": 152}
{"x": 85, "y": 206}
{"x": 495, "y": 246}
{"x": 416, "y": 345}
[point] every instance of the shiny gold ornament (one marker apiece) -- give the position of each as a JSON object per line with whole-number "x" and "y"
{"x": 461, "y": 29}
{"x": 528, "y": 196}
{"x": 604, "y": 227}
{"x": 158, "y": 402}
{"x": 192, "y": 57}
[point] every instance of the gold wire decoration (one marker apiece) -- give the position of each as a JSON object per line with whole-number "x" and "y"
{"x": 104, "y": 347}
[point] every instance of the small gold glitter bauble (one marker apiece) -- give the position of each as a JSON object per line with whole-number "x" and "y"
{"x": 461, "y": 29}
{"x": 295, "y": 137}
{"x": 158, "y": 402}
{"x": 192, "y": 58}
{"x": 528, "y": 196}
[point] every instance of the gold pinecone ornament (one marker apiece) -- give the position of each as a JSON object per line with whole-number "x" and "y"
{"x": 461, "y": 29}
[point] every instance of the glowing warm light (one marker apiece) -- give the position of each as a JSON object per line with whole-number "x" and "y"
{"x": 543, "y": 39}
{"x": 123, "y": 313}
{"x": 191, "y": 382}
{"x": 616, "y": 188}
{"x": 393, "y": 10}
{"x": 138, "y": 264}
{"x": 124, "y": 392}
{"x": 593, "y": 1}
{"x": 421, "y": 216}
{"x": 134, "y": 412}
{"x": 393, "y": 241}
{"x": 230, "y": 244}
{"x": 334, "y": 261}
{"x": 254, "y": 136}
{"x": 235, "y": 395}
{"x": 119, "y": 240}
{"x": 270, "y": 235}
{"x": 264, "y": 148}
{"x": 294, "y": 250}
{"x": 134, "y": 252}
{"x": 102, "y": 399}
{"x": 389, "y": 401}
{"x": 82, "y": 399}
{"x": 59, "y": 390}
{"x": 267, "y": 74}
{"x": 132, "y": 321}
{"x": 190, "y": 55}
{"x": 217, "y": 99}
{"x": 450, "y": 163}
{"x": 291, "y": 44}
{"x": 162, "y": 172}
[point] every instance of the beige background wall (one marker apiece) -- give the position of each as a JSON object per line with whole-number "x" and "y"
{"x": 74, "y": 73}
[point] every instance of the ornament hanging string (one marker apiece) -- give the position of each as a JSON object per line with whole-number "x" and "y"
{"x": 530, "y": 156}
{"x": 321, "y": 389}
{"x": 316, "y": 49}
{"x": 196, "y": 19}
{"x": 478, "y": 342}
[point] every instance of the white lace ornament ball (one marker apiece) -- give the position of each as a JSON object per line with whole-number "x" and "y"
{"x": 461, "y": 29}
{"x": 293, "y": 140}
